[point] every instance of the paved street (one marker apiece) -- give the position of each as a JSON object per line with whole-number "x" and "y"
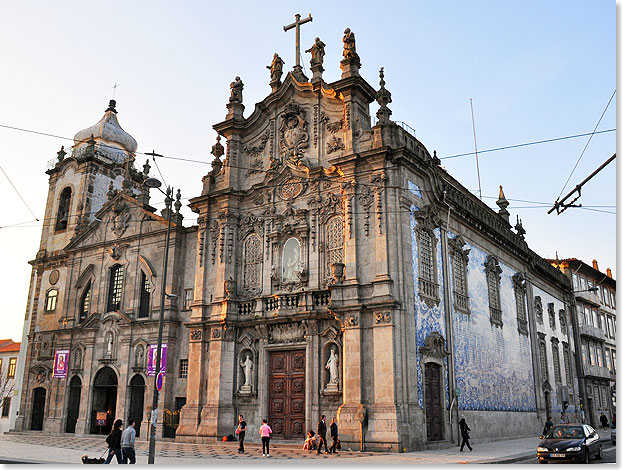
{"x": 38, "y": 448}
{"x": 609, "y": 455}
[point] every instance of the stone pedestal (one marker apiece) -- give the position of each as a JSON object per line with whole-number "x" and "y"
{"x": 317, "y": 70}
{"x": 299, "y": 75}
{"x": 350, "y": 67}
{"x": 275, "y": 84}
{"x": 235, "y": 111}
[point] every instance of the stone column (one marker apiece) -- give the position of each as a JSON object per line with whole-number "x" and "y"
{"x": 349, "y": 426}
{"x": 218, "y": 414}
{"x": 189, "y": 419}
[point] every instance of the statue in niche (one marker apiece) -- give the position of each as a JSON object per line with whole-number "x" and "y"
{"x": 236, "y": 91}
{"x": 276, "y": 68}
{"x": 77, "y": 359}
{"x": 317, "y": 52}
{"x": 109, "y": 342}
{"x": 333, "y": 371}
{"x": 291, "y": 260}
{"x": 247, "y": 367}
{"x": 139, "y": 357}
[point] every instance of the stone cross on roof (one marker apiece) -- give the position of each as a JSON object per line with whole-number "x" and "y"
{"x": 296, "y": 24}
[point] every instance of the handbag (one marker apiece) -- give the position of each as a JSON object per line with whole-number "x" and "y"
{"x": 338, "y": 444}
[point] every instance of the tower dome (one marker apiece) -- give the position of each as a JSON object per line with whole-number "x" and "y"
{"x": 111, "y": 141}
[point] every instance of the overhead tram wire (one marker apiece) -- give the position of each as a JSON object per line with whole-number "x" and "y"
{"x": 586, "y": 144}
{"x": 20, "y": 196}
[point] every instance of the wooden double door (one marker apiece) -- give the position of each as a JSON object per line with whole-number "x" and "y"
{"x": 433, "y": 403}
{"x": 286, "y": 384}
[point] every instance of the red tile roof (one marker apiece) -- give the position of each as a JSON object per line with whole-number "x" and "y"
{"x": 9, "y": 346}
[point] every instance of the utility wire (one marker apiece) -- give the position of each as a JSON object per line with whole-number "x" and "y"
{"x": 586, "y": 144}
{"x": 20, "y": 196}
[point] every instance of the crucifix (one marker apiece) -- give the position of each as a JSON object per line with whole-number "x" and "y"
{"x": 114, "y": 89}
{"x": 296, "y": 24}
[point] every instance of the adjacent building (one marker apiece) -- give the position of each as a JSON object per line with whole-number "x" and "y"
{"x": 9, "y": 383}
{"x": 335, "y": 268}
{"x": 595, "y": 315}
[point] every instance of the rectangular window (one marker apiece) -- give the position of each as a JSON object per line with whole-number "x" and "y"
{"x": 426, "y": 257}
{"x": 583, "y": 283}
{"x": 567, "y": 365}
{"x": 115, "y": 289}
{"x": 613, "y": 361}
{"x": 183, "y": 368}
{"x": 610, "y": 331}
{"x": 599, "y": 356}
{"x": 592, "y": 349}
{"x": 12, "y": 364}
{"x": 575, "y": 281}
{"x": 543, "y": 362}
{"x": 604, "y": 294}
{"x": 584, "y": 353}
{"x": 608, "y": 358}
{"x": 6, "y": 406}
{"x": 597, "y": 396}
{"x": 556, "y": 366}
{"x": 145, "y": 296}
{"x": 188, "y": 298}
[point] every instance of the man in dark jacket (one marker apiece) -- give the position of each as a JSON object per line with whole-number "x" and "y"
{"x": 114, "y": 442}
{"x": 334, "y": 434}
{"x": 548, "y": 425}
{"x": 321, "y": 432}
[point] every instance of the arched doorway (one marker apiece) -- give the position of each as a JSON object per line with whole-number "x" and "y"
{"x": 73, "y": 406}
{"x": 104, "y": 401}
{"x": 137, "y": 401}
{"x": 38, "y": 409}
{"x": 433, "y": 405}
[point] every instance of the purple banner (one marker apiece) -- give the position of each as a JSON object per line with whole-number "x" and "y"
{"x": 60, "y": 363}
{"x": 153, "y": 351}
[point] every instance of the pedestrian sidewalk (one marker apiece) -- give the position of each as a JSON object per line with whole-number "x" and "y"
{"x": 34, "y": 447}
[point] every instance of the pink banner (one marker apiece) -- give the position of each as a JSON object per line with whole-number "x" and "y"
{"x": 61, "y": 359}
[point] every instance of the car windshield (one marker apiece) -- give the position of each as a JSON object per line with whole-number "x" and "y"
{"x": 567, "y": 432}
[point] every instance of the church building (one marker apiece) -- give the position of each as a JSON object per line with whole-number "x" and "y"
{"x": 335, "y": 269}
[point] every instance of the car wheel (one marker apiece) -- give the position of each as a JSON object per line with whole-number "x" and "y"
{"x": 543, "y": 461}
{"x": 586, "y": 456}
{"x": 599, "y": 456}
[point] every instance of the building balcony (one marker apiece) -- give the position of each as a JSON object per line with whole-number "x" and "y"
{"x": 592, "y": 332}
{"x": 589, "y": 297}
{"x": 596, "y": 372}
{"x": 284, "y": 303}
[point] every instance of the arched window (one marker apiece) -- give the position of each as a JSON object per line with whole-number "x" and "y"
{"x": 50, "y": 300}
{"x": 62, "y": 217}
{"x": 334, "y": 243}
{"x": 115, "y": 289}
{"x": 145, "y": 296}
{"x": 85, "y": 302}
{"x": 252, "y": 262}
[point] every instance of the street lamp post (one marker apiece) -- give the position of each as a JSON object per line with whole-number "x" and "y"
{"x": 154, "y": 183}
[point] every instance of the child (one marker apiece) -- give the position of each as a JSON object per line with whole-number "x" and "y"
{"x": 309, "y": 441}
{"x": 264, "y": 432}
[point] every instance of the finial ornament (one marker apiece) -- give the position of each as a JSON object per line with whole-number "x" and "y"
{"x": 298, "y": 74}
{"x": 218, "y": 151}
{"x": 503, "y": 204}
{"x": 383, "y": 97}
{"x": 61, "y": 153}
{"x": 520, "y": 230}
{"x": 146, "y": 168}
{"x": 112, "y": 106}
{"x": 178, "y": 201}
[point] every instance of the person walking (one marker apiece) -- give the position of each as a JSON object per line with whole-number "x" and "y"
{"x": 548, "y": 425}
{"x": 128, "y": 441}
{"x": 114, "y": 442}
{"x": 604, "y": 422}
{"x": 321, "y": 432}
{"x": 241, "y": 432}
{"x": 464, "y": 432}
{"x": 334, "y": 434}
{"x": 264, "y": 432}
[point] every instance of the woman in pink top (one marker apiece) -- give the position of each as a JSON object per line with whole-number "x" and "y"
{"x": 265, "y": 432}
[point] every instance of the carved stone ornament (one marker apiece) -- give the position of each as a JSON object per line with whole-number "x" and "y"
{"x": 287, "y": 332}
{"x": 537, "y": 305}
{"x": 216, "y": 333}
{"x": 427, "y": 217}
{"x": 334, "y": 144}
{"x": 351, "y": 320}
{"x": 291, "y": 189}
{"x": 434, "y": 346}
{"x": 54, "y": 275}
{"x": 338, "y": 273}
{"x": 196, "y": 334}
{"x": 120, "y": 218}
{"x": 383, "y": 317}
{"x": 293, "y": 135}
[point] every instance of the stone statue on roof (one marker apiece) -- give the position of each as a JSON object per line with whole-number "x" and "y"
{"x": 276, "y": 68}
{"x": 349, "y": 45}
{"x": 317, "y": 52}
{"x": 236, "y": 91}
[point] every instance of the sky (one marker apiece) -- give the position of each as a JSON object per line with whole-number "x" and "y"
{"x": 534, "y": 71}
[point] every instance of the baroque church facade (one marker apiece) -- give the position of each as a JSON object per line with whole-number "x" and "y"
{"x": 335, "y": 269}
